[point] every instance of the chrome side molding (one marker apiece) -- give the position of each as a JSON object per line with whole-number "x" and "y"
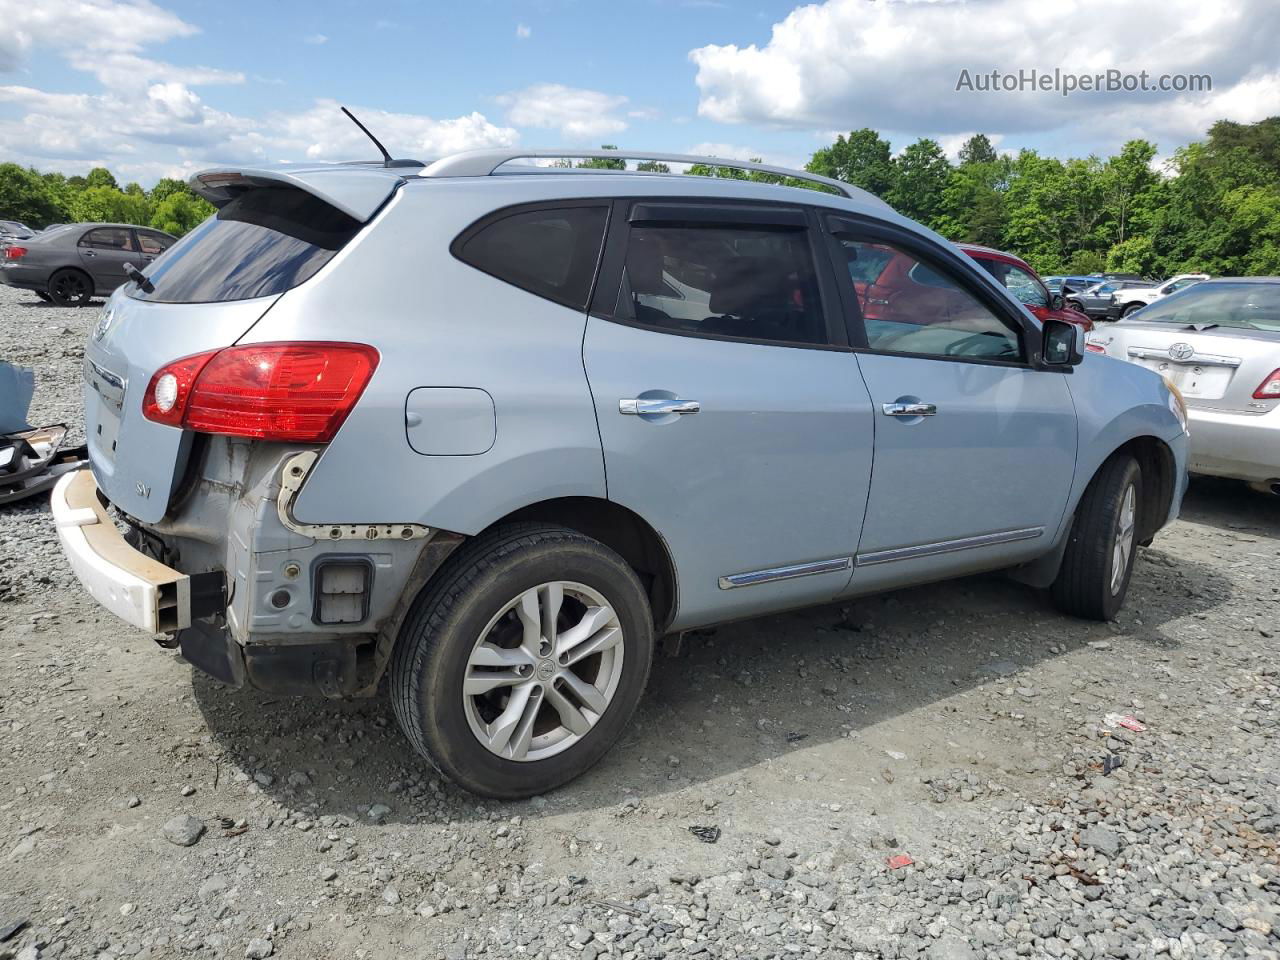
{"x": 790, "y": 572}
{"x": 948, "y": 546}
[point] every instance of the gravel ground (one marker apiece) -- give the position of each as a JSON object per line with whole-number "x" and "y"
{"x": 148, "y": 812}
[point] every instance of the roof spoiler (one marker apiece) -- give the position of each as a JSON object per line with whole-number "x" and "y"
{"x": 357, "y": 191}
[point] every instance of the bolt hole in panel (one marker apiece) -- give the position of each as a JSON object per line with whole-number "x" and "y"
{"x": 450, "y": 421}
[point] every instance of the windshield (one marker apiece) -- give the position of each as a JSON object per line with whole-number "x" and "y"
{"x": 264, "y": 242}
{"x": 1246, "y": 306}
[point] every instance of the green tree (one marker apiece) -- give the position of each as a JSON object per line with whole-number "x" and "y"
{"x": 603, "y": 163}
{"x": 26, "y": 196}
{"x": 862, "y": 159}
{"x": 652, "y": 166}
{"x": 101, "y": 177}
{"x": 180, "y": 212}
{"x": 166, "y": 186}
{"x": 977, "y": 149}
{"x": 920, "y": 177}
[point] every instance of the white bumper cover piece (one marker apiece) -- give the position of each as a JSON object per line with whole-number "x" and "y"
{"x": 137, "y": 589}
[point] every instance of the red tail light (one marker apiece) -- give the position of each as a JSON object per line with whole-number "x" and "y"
{"x": 1269, "y": 388}
{"x": 294, "y": 392}
{"x": 1095, "y": 348}
{"x": 15, "y": 253}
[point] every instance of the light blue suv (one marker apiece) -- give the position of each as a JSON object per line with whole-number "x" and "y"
{"x": 482, "y": 430}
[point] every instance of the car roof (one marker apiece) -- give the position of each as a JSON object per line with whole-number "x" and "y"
{"x": 360, "y": 189}
{"x": 993, "y": 253}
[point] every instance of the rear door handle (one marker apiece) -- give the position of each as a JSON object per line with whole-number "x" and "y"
{"x": 909, "y": 409}
{"x": 637, "y": 406}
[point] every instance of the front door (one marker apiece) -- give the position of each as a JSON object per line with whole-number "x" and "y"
{"x": 731, "y": 414}
{"x": 104, "y": 251}
{"x": 975, "y": 449}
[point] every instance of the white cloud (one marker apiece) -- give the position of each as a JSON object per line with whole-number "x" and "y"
{"x": 894, "y": 64}
{"x": 524, "y": 31}
{"x": 147, "y": 108}
{"x": 315, "y": 39}
{"x": 578, "y": 114}
{"x": 96, "y": 26}
{"x": 323, "y": 133}
{"x": 729, "y": 151}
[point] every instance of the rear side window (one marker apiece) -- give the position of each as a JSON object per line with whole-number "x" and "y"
{"x": 109, "y": 238}
{"x": 264, "y": 242}
{"x": 549, "y": 252}
{"x": 745, "y": 283}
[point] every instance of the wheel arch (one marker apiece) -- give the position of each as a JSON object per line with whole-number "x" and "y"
{"x": 623, "y": 531}
{"x": 1159, "y": 482}
{"x": 71, "y": 268}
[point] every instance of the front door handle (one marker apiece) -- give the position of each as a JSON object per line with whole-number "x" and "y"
{"x": 636, "y": 407}
{"x": 909, "y": 409}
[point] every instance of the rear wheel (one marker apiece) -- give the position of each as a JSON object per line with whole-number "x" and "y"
{"x": 520, "y": 665}
{"x": 70, "y": 288}
{"x": 1131, "y": 308}
{"x": 1098, "y": 561}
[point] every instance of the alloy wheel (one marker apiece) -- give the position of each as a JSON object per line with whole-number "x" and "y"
{"x": 543, "y": 671}
{"x": 1125, "y": 522}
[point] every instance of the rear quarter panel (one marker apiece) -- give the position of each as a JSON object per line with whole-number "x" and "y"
{"x": 437, "y": 322}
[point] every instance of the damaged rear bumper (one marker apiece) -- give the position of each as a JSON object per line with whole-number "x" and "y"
{"x": 139, "y": 590}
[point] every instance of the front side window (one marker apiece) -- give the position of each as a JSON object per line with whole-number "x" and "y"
{"x": 153, "y": 243}
{"x": 109, "y": 238}
{"x": 1026, "y": 287}
{"x": 747, "y": 283}
{"x": 914, "y": 307}
{"x": 549, "y": 252}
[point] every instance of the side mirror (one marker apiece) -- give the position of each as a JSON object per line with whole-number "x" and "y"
{"x": 1062, "y": 344}
{"x": 1056, "y": 301}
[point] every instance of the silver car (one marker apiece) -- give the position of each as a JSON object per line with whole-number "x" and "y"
{"x": 1218, "y": 343}
{"x": 483, "y": 431}
{"x": 70, "y": 264}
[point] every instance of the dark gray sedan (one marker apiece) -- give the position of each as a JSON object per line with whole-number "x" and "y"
{"x": 70, "y": 264}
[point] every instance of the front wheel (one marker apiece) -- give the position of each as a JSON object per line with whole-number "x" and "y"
{"x": 1131, "y": 308}
{"x": 520, "y": 664}
{"x": 1098, "y": 562}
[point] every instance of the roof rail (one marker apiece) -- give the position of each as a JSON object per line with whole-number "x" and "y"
{"x": 484, "y": 163}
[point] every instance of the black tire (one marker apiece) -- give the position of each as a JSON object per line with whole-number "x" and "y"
{"x": 70, "y": 288}
{"x": 1075, "y": 305}
{"x": 447, "y": 621}
{"x": 44, "y": 296}
{"x": 1088, "y": 585}
{"x": 1131, "y": 308}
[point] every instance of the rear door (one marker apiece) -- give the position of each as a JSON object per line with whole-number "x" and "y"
{"x": 975, "y": 449}
{"x": 104, "y": 251}
{"x": 730, "y": 409}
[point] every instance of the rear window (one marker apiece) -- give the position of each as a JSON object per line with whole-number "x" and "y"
{"x": 550, "y": 252}
{"x": 264, "y": 242}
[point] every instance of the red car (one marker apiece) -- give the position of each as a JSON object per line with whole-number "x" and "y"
{"x": 1025, "y": 284}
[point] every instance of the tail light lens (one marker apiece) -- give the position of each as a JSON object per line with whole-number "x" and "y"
{"x": 1269, "y": 388}
{"x": 15, "y": 253}
{"x": 1095, "y": 348}
{"x": 290, "y": 392}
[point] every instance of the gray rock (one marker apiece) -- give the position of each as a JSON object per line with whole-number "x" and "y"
{"x": 259, "y": 949}
{"x": 1104, "y": 841}
{"x": 183, "y": 830}
{"x": 951, "y": 948}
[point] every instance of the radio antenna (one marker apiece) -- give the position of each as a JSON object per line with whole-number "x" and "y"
{"x": 386, "y": 157}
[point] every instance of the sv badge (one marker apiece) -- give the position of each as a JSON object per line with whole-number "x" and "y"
{"x": 142, "y": 490}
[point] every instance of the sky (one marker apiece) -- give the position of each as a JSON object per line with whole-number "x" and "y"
{"x": 153, "y": 88}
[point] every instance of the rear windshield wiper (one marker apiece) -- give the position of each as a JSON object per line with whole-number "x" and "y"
{"x": 1198, "y": 327}
{"x": 138, "y": 277}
